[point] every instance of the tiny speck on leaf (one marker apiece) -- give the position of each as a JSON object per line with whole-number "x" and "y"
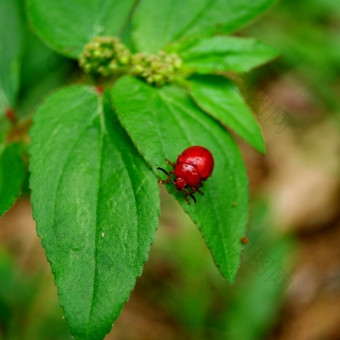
{"x": 244, "y": 240}
{"x": 99, "y": 89}
{"x": 10, "y": 115}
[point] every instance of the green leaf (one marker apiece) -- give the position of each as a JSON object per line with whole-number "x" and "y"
{"x": 227, "y": 16}
{"x": 157, "y": 23}
{"x": 162, "y": 122}
{"x": 223, "y": 53}
{"x": 5, "y": 124}
{"x": 12, "y": 174}
{"x": 10, "y": 48}
{"x": 68, "y": 25}
{"x": 3, "y": 102}
{"x": 5, "y": 127}
{"x": 44, "y": 71}
{"x": 96, "y": 206}
{"x": 220, "y": 98}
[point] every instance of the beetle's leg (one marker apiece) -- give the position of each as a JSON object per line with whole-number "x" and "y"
{"x": 193, "y": 197}
{"x": 188, "y": 193}
{"x": 195, "y": 188}
{"x": 199, "y": 191}
{"x": 199, "y": 185}
{"x": 170, "y": 163}
{"x": 186, "y": 198}
{"x": 171, "y": 179}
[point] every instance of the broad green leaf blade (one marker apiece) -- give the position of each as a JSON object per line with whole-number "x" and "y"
{"x": 12, "y": 174}
{"x": 68, "y": 25}
{"x": 162, "y": 122}
{"x": 223, "y": 53}
{"x": 157, "y": 23}
{"x": 227, "y": 15}
{"x": 4, "y": 104}
{"x": 4, "y": 128}
{"x": 10, "y": 48}
{"x": 44, "y": 71}
{"x": 221, "y": 99}
{"x": 96, "y": 206}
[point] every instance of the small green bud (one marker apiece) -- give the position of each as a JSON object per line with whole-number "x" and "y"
{"x": 124, "y": 60}
{"x": 156, "y": 69}
{"x": 104, "y": 56}
{"x": 113, "y": 66}
{"x": 87, "y": 68}
{"x": 138, "y": 69}
{"x": 96, "y": 53}
{"x": 178, "y": 63}
{"x": 158, "y": 78}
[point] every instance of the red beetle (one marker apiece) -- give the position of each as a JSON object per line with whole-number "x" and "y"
{"x": 194, "y": 165}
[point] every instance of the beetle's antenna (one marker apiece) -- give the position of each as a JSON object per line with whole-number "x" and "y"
{"x": 163, "y": 171}
{"x": 168, "y": 174}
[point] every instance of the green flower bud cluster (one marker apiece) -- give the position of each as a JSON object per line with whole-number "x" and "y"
{"x": 104, "y": 56}
{"x": 156, "y": 69}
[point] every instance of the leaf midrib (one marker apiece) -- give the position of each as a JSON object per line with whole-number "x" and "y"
{"x": 95, "y": 271}
{"x": 67, "y": 159}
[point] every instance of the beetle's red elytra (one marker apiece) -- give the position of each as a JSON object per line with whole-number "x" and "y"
{"x": 193, "y": 166}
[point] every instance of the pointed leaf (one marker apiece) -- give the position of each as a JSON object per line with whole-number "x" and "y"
{"x": 68, "y": 25}
{"x": 5, "y": 124}
{"x": 12, "y": 174}
{"x": 157, "y": 23}
{"x": 227, "y": 16}
{"x": 162, "y": 122}
{"x": 4, "y": 128}
{"x": 10, "y": 48}
{"x": 220, "y": 98}
{"x": 223, "y": 53}
{"x": 96, "y": 207}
